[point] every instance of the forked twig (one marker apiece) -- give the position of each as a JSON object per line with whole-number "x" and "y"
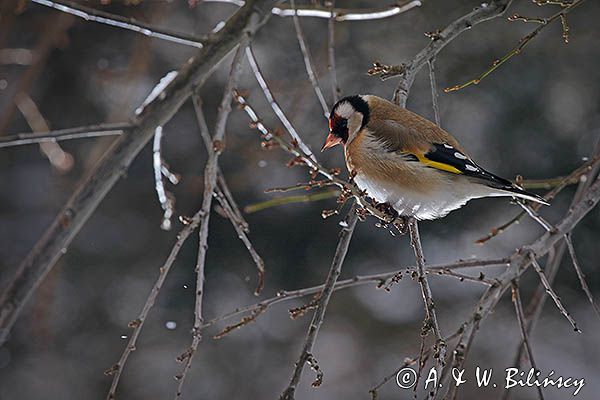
{"x": 561, "y": 15}
{"x": 516, "y": 299}
{"x": 131, "y": 24}
{"x": 431, "y": 321}
{"x": 137, "y": 324}
{"x": 308, "y": 62}
{"x": 552, "y": 293}
{"x": 210, "y": 185}
{"x": 82, "y": 132}
{"x": 580, "y": 274}
{"x": 317, "y": 320}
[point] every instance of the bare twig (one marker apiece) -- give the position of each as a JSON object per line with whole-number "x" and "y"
{"x": 574, "y": 176}
{"x": 271, "y": 138}
{"x": 383, "y": 280}
{"x": 138, "y": 323}
{"x": 335, "y": 90}
{"x": 131, "y": 24}
{"x": 225, "y": 198}
{"x": 243, "y": 236}
{"x": 308, "y": 62}
{"x": 58, "y": 158}
{"x": 516, "y": 299}
{"x": 521, "y": 260}
{"x": 341, "y": 14}
{"x": 317, "y": 320}
{"x": 580, "y": 274}
{"x": 536, "y": 304}
{"x": 64, "y": 134}
{"x": 274, "y": 105}
{"x": 552, "y": 293}
{"x": 434, "y": 93}
{"x": 561, "y": 15}
{"x": 431, "y": 321}
{"x": 164, "y": 198}
{"x": 210, "y": 185}
{"x": 407, "y": 72}
{"x": 120, "y": 155}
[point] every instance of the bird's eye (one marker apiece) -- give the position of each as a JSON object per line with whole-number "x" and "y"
{"x": 344, "y": 123}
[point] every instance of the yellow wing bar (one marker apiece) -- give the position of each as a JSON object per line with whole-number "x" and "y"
{"x": 437, "y": 165}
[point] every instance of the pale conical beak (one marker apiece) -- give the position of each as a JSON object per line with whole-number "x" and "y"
{"x": 331, "y": 141}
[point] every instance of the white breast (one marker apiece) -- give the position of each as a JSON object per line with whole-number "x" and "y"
{"x": 447, "y": 197}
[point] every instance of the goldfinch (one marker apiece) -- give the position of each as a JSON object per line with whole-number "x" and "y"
{"x": 407, "y": 162}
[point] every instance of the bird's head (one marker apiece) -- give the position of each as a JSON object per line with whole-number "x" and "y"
{"x": 348, "y": 116}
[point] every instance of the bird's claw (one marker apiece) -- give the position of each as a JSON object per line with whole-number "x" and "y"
{"x": 399, "y": 222}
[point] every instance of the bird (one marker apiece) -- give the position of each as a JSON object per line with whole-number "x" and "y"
{"x": 406, "y": 162}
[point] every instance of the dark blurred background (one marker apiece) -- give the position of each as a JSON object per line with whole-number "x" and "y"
{"x": 536, "y": 116}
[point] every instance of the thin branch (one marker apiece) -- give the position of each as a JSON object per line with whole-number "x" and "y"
{"x": 317, "y": 320}
{"x": 407, "y": 72}
{"x": 521, "y": 260}
{"x": 335, "y": 90}
{"x": 274, "y": 105}
{"x": 275, "y": 139}
{"x": 64, "y": 134}
{"x": 137, "y": 324}
{"x": 308, "y": 62}
{"x": 164, "y": 198}
{"x": 341, "y": 14}
{"x": 383, "y": 280}
{"x": 434, "y": 93}
{"x": 516, "y": 299}
{"x": 430, "y": 313}
{"x": 205, "y": 135}
{"x": 243, "y": 236}
{"x": 553, "y": 294}
{"x": 58, "y": 158}
{"x": 576, "y": 176}
{"x": 236, "y": 216}
{"x": 553, "y": 262}
{"x": 210, "y": 185}
{"x": 131, "y": 24}
{"x": 561, "y": 15}
{"x": 119, "y": 156}
{"x": 580, "y": 274}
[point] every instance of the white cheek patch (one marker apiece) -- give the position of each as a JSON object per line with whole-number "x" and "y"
{"x": 345, "y": 110}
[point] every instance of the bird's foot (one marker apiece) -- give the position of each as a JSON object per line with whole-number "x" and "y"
{"x": 387, "y": 209}
{"x": 399, "y": 222}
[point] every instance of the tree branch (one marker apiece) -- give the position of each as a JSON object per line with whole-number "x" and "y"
{"x": 90, "y": 131}
{"x": 138, "y": 323}
{"x": 407, "y": 72}
{"x": 431, "y": 321}
{"x": 210, "y": 186}
{"x": 308, "y": 62}
{"x": 339, "y": 14}
{"x": 131, "y": 24}
{"x": 521, "y": 260}
{"x": 115, "y": 162}
{"x": 325, "y": 295}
